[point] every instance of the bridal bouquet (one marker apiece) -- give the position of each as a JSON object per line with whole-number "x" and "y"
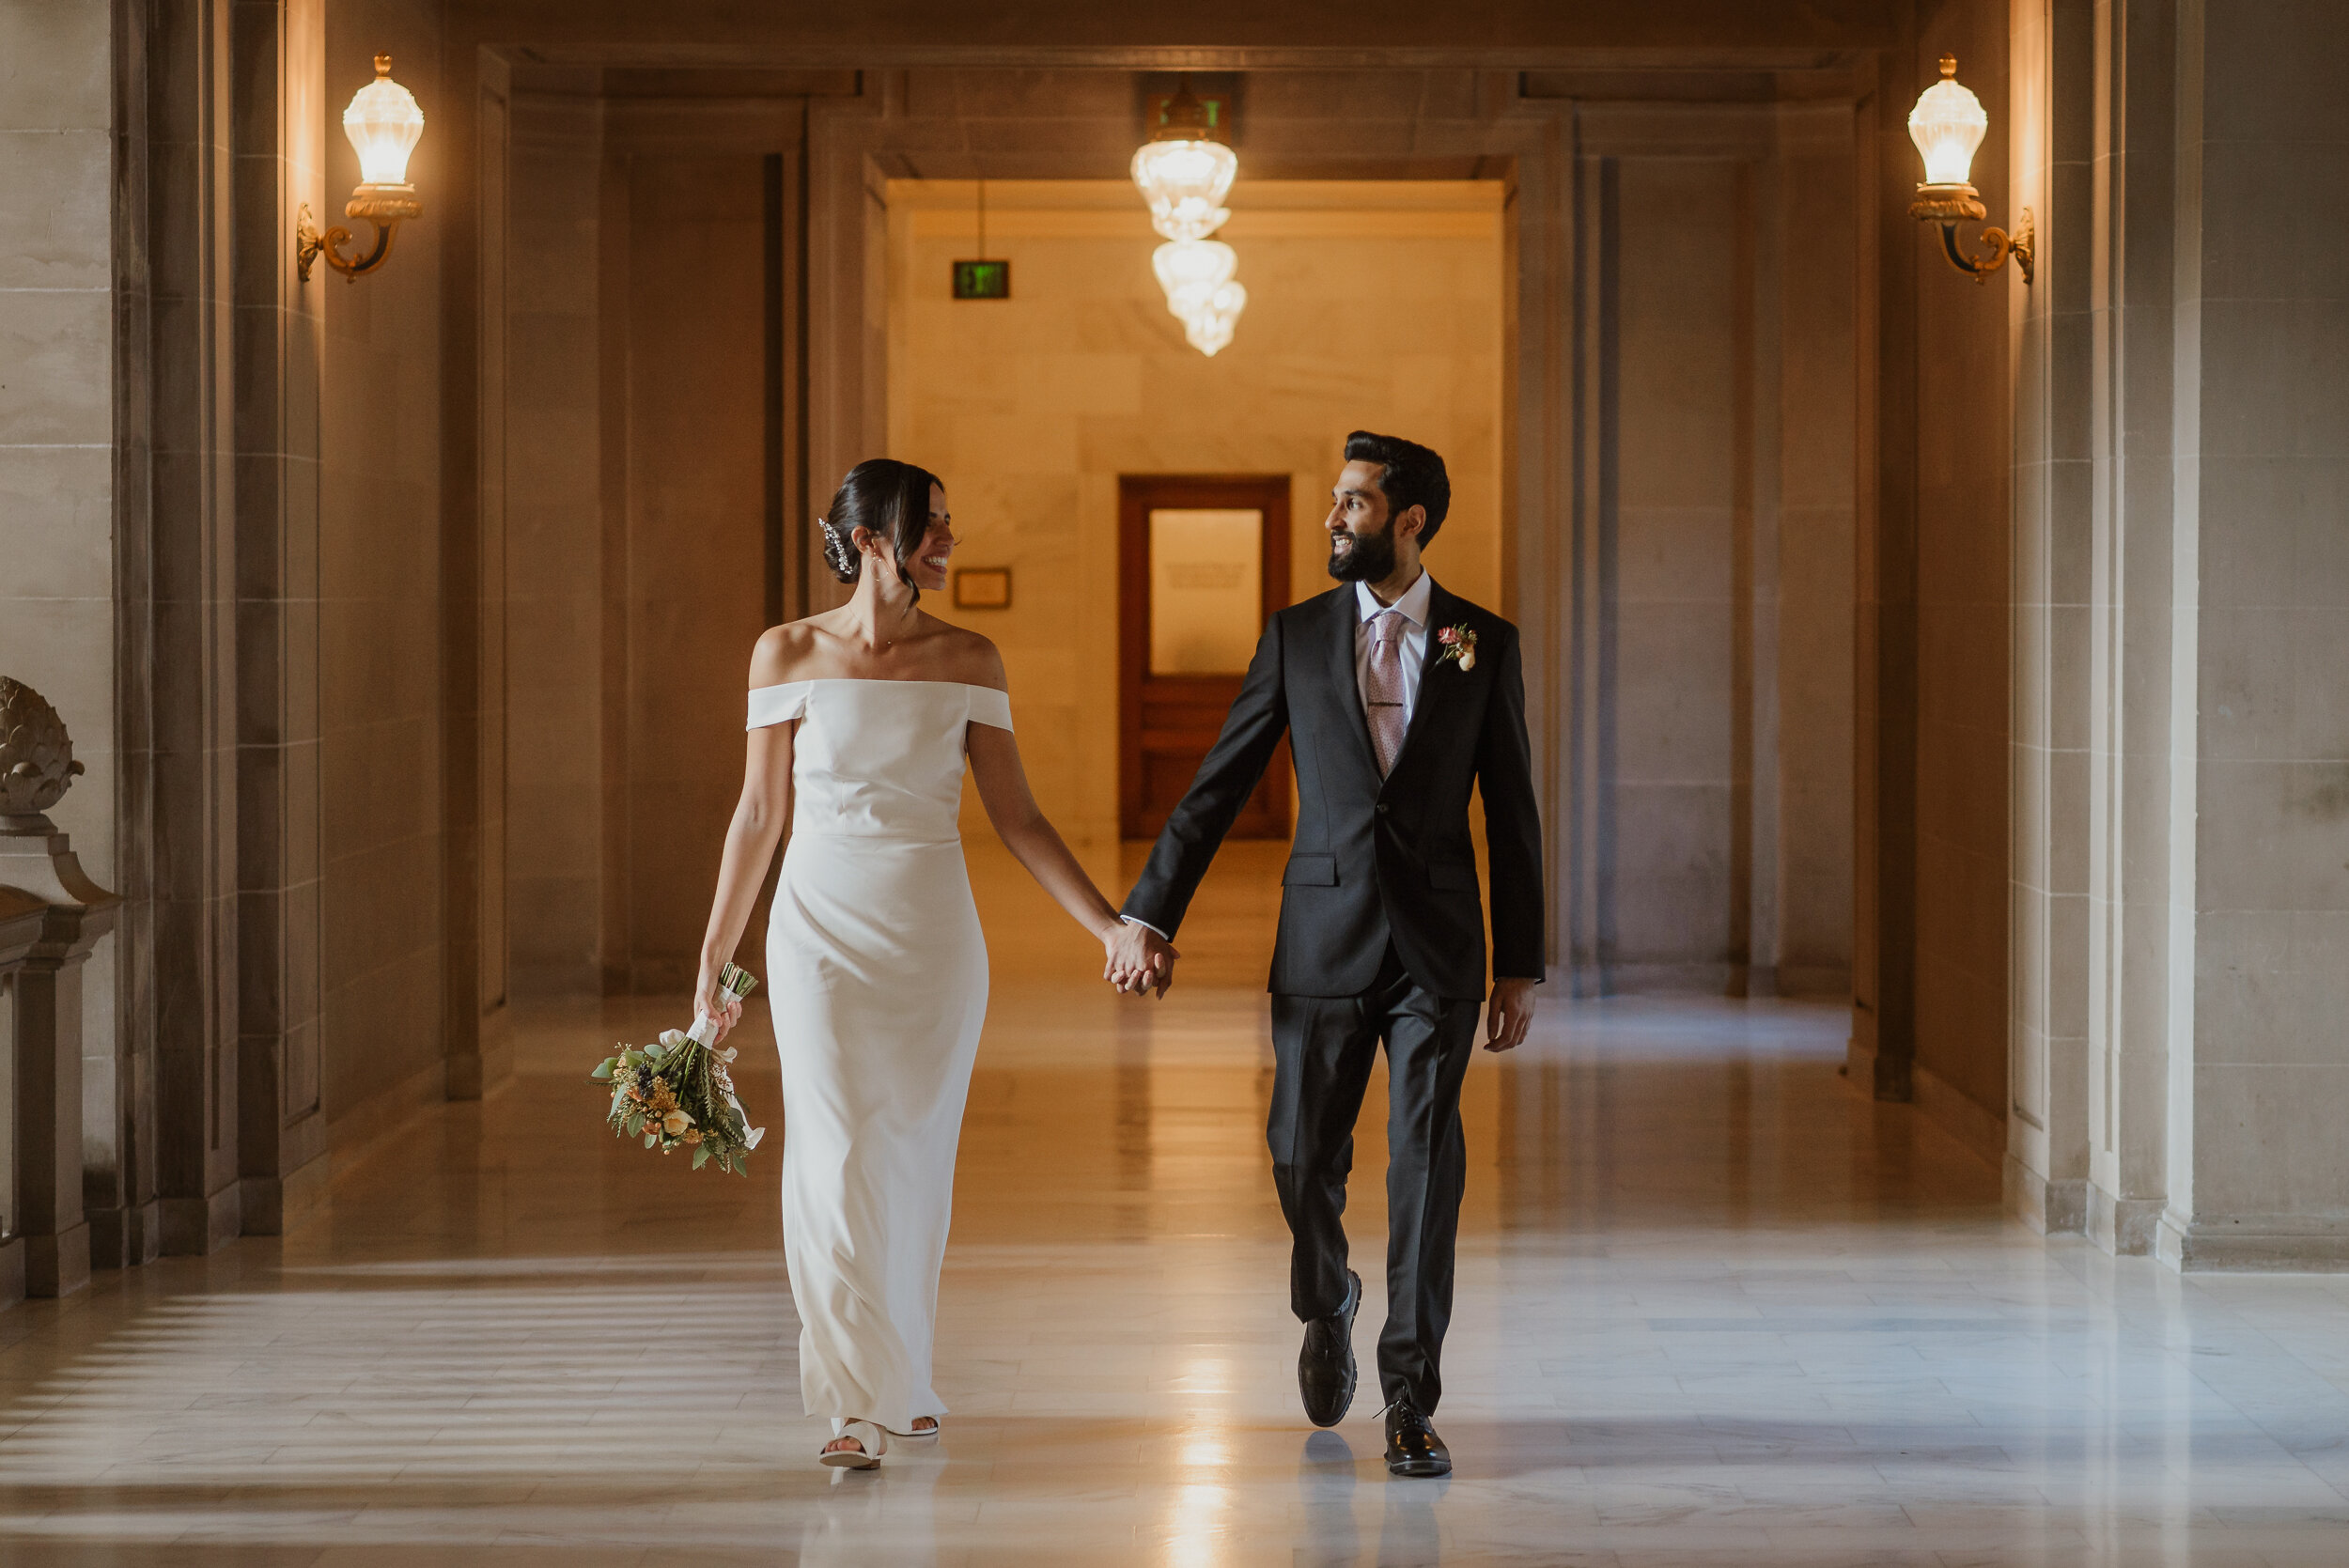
{"x": 677, "y": 1093}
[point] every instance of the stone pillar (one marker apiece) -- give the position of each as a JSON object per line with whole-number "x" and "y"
{"x": 121, "y": 1169}
{"x": 2047, "y": 1153}
{"x": 38, "y": 865}
{"x": 1883, "y": 1048}
{"x": 184, "y": 570}
{"x": 22, "y": 917}
{"x": 2180, "y": 764}
{"x": 281, "y": 1121}
{"x": 2254, "y": 922}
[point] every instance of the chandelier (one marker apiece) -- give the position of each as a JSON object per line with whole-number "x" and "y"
{"x": 1185, "y": 174}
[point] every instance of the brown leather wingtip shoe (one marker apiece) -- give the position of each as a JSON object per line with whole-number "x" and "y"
{"x": 1325, "y": 1367}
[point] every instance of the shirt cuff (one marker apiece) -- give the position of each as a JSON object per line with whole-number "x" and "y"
{"x": 1146, "y": 926}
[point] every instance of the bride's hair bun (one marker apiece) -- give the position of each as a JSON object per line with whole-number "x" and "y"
{"x": 888, "y": 496}
{"x": 843, "y": 559}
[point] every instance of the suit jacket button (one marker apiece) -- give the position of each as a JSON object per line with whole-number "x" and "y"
{"x": 1382, "y": 808}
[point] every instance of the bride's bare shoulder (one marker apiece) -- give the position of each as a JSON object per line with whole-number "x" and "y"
{"x": 974, "y": 659}
{"x": 784, "y": 653}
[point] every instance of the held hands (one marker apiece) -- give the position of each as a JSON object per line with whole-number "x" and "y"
{"x": 1139, "y": 959}
{"x": 1508, "y": 1015}
{"x": 712, "y": 1000}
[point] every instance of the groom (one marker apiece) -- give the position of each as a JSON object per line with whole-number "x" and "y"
{"x": 1398, "y": 698}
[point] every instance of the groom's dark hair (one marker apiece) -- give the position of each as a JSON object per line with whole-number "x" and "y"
{"x": 1408, "y": 476}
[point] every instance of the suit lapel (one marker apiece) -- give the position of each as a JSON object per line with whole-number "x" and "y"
{"x": 1439, "y": 613}
{"x": 1344, "y": 677}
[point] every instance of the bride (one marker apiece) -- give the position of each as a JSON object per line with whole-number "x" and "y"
{"x": 860, "y": 721}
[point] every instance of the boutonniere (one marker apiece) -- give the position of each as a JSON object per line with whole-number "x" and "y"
{"x": 1459, "y": 645}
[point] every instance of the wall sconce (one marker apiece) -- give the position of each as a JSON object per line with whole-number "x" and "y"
{"x": 383, "y": 124}
{"x": 1946, "y": 125}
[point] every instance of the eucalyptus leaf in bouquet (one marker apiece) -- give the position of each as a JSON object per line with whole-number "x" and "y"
{"x": 677, "y": 1093}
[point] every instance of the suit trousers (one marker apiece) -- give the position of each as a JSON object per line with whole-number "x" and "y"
{"x": 1323, "y": 1050}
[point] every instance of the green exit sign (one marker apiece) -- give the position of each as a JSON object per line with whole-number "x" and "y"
{"x": 982, "y": 280}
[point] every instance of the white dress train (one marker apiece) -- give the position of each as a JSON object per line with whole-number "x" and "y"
{"x": 876, "y": 982}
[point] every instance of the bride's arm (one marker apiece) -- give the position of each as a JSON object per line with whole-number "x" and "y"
{"x": 759, "y": 817}
{"x": 1026, "y": 832}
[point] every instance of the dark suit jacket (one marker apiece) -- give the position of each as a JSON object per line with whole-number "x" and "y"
{"x": 1374, "y": 858}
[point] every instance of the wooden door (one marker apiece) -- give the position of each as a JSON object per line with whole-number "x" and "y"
{"x": 1202, "y": 562}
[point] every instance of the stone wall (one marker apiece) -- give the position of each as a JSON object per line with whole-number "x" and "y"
{"x": 2259, "y": 1170}
{"x": 263, "y": 784}
{"x": 1963, "y": 399}
{"x": 1034, "y": 407}
{"x": 1708, "y": 818}
{"x": 2182, "y": 862}
{"x": 644, "y": 469}
{"x": 56, "y": 402}
{"x": 59, "y": 304}
{"x": 380, "y": 668}
{"x": 1371, "y": 306}
{"x": 556, "y": 466}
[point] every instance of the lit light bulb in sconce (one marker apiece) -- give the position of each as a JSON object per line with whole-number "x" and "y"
{"x": 385, "y": 124}
{"x": 1948, "y": 126}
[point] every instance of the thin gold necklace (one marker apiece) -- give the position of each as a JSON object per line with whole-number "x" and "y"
{"x": 888, "y": 643}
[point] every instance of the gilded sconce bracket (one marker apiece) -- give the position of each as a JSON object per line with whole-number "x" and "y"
{"x": 1951, "y": 205}
{"x": 383, "y": 206}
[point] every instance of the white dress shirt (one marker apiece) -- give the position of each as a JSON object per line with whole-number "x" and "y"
{"x": 1413, "y": 604}
{"x": 1413, "y": 607}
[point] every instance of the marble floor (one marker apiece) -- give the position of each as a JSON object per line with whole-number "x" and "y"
{"x": 1714, "y": 1308}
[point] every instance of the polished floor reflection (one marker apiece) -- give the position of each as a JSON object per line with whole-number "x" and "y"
{"x": 1714, "y": 1308}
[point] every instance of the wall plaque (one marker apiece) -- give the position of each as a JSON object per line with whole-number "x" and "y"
{"x": 983, "y": 588}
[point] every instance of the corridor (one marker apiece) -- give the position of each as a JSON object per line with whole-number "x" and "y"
{"x": 1714, "y": 1308}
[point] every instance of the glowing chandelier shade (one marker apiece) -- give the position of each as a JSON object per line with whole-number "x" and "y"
{"x": 1184, "y": 183}
{"x": 1190, "y": 269}
{"x": 1184, "y": 173}
{"x": 1208, "y": 326}
{"x": 1200, "y": 291}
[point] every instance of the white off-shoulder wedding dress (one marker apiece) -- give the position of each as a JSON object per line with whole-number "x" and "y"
{"x": 877, "y": 981}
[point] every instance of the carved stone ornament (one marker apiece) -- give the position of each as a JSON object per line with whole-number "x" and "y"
{"x": 37, "y": 762}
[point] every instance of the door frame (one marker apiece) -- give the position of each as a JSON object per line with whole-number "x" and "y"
{"x": 1138, "y": 496}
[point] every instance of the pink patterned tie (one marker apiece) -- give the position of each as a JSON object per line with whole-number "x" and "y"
{"x": 1382, "y": 696}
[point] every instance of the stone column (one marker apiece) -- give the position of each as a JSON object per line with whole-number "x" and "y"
{"x": 2048, "y": 1141}
{"x": 2255, "y": 921}
{"x": 1883, "y": 1048}
{"x": 281, "y": 1121}
{"x": 185, "y": 568}
{"x": 2182, "y": 759}
{"x": 22, "y": 916}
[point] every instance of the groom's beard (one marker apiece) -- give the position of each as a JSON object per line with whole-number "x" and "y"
{"x": 1370, "y": 560}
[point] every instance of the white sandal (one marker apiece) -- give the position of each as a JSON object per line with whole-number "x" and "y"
{"x": 916, "y": 1435}
{"x": 866, "y": 1457}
